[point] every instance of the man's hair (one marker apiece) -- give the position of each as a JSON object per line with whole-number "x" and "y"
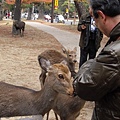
{"x": 108, "y": 7}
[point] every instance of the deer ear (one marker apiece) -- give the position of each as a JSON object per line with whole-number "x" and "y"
{"x": 64, "y": 50}
{"x": 45, "y": 64}
{"x": 75, "y": 49}
{"x": 64, "y": 62}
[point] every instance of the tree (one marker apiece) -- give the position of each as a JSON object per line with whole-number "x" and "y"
{"x": 68, "y": 5}
{"x": 17, "y": 10}
{"x": 81, "y": 6}
{"x": 17, "y": 14}
{"x": 41, "y": 11}
{"x": 1, "y": 9}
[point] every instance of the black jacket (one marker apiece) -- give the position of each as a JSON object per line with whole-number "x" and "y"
{"x": 99, "y": 80}
{"x": 85, "y": 34}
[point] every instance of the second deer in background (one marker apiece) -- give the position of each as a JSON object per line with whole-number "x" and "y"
{"x": 68, "y": 108}
{"x": 56, "y": 57}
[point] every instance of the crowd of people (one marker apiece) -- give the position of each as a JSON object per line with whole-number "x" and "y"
{"x": 8, "y": 15}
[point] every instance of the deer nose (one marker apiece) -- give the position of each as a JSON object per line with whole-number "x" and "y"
{"x": 74, "y": 61}
{"x": 70, "y": 91}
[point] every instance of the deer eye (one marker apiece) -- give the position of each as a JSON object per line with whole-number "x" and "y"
{"x": 61, "y": 76}
{"x": 70, "y": 55}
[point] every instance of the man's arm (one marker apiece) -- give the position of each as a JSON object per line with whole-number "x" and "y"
{"x": 93, "y": 82}
{"x": 81, "y": 25}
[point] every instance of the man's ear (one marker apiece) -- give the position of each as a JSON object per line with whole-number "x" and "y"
{"x": 101, "y": 15}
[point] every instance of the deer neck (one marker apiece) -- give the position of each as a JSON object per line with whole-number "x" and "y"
{"x": 26, "y": 101}
{"x": 45, "y": 99}
{"x": 71, "y": 66}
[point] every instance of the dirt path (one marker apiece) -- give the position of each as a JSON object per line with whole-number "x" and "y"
{"x": 18, "y": 60}
{"x": 67, "y": 39}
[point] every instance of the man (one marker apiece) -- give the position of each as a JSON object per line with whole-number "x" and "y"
{"x": 99, "y": 80}
{"x": 90, "y": 38}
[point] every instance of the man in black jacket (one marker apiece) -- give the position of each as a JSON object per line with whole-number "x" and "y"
{"x": 90, "y": 38}
{"x": 99, "y": 79}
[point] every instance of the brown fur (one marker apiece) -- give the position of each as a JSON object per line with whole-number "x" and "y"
{"x": 19, "y": 25}
{"x": 67, "y": 107}
{"x": 21, "y": 101}
{"x": 56, "y": 57}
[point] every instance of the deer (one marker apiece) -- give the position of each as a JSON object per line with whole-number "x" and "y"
{"x": 22, "y": 101}
{"x": 67, "y": 107}
{"x": 19, "y": 25}
{"x": 56, "y": 57}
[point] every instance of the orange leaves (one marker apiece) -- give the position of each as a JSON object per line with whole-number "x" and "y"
{"x": 28, "y": 1}
{"x": 47, "y": 1}
{"x": 10, "y": 2}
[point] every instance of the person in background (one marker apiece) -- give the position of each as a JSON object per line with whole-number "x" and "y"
{"x": 8, "y": 14}
{"x": 99, "y": 79}
{"x": 90, "y": 38}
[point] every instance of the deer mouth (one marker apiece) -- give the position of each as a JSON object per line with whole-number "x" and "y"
{"x": 75, "y": 61}
{"x": 70, "y": 91}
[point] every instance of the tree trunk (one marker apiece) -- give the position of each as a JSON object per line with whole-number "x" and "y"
{"x": 29, "y": 14}
{"x": 78, "y": 7}
{"x": 17, "y": 14}
{"x": 41, "y": 13}
{"x": 1, "y": 12}
{"x": 52, "y": 11}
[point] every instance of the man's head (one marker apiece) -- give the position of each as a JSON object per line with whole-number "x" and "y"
{"x": 106, "y": 14}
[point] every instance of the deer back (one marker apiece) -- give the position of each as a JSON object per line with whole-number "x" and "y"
{"x": 53, "y": 56}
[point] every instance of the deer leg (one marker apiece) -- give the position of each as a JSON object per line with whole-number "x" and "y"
{"x": 22, "y": 31}
{"x": 56, "y": 116}
{"x": 17, "y": 32}
{"x": 47, "y": 116}
{"x": 22, "y": 34}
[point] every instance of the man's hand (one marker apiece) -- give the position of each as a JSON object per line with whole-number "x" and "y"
{"x": 83, "y": 27}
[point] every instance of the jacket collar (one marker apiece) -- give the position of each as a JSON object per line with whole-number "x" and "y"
{"x": 115, "y": 34}
{"x": 115, "y": 31}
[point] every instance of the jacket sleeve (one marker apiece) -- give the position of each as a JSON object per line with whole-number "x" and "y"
{"x": 79, "y": 27}
{"x": 80, "y": 23}
{"x": 99, "y": 77}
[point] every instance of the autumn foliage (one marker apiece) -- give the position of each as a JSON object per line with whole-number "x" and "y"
{"x": 28, "y": 1}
